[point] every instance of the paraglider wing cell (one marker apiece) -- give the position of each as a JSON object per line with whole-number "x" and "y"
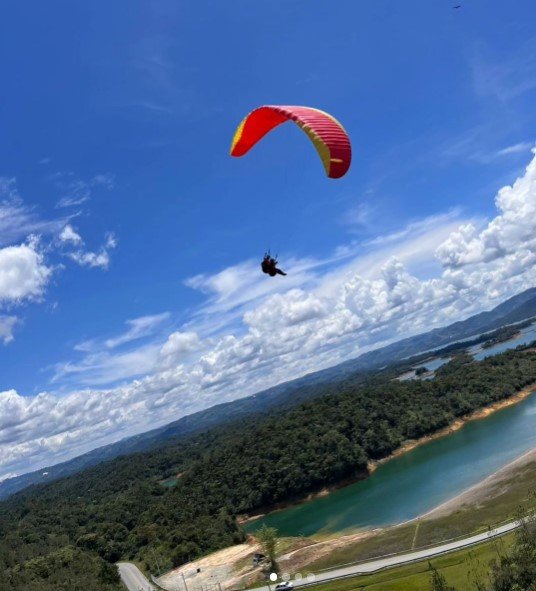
{"x": 327, "y": 134}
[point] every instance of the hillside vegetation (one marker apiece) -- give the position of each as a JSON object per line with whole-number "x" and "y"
{"x": 517, "y": 310}
{"x": 60, "y": 535}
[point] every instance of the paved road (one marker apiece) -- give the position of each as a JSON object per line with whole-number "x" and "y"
{"x": 399, "y": 559}
{"x": 133, "y": 578}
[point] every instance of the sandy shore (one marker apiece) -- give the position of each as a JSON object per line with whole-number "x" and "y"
{"x": 488, "y": 488}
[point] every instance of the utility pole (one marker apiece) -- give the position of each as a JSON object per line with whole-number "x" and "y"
{"x": 185, "y": 585}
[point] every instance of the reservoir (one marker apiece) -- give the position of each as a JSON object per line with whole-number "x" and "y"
{"x": 526, "y": 336}
{"x": 416, "y": 482}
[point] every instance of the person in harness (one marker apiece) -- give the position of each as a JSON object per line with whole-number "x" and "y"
{"x": 269, "y": 266}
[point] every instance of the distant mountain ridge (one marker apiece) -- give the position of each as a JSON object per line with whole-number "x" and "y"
{"x": 515, "y": 309}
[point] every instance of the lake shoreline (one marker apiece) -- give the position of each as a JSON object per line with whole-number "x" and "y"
{"x": 458, "y": 424}
{"x": 514, "y": 337}
{"x": 480, "y": 490}
{"x": 406, "y": 447}
{"x": 324, "y": 492}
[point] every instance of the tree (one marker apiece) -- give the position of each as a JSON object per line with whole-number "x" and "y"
{"x": 109, "y": 574}
{"x": 438, "y": 581}
{"x": 267, "y": 537}
{"x": 517, "y": 570}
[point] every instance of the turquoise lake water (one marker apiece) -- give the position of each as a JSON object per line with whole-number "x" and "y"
{"x": 411, "y": 484}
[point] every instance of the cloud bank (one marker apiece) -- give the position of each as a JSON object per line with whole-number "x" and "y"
{"x": 251, "y": 334}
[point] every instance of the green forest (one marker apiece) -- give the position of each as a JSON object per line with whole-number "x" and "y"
{"x": 66, "y": 535}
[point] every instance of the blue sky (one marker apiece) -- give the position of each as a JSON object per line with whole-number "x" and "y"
{"x": 129, "y": 239}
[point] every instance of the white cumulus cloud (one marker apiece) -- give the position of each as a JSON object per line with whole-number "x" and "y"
{"x": 269, "y": 331}
{"x": 23, "y": 273}
{"x": 512, "y": 232}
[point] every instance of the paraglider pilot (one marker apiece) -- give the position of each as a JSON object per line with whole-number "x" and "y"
{"x": 269, "y": 266}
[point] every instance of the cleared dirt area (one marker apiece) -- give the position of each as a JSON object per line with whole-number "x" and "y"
{"x": 299, "y": 559}
{"x": 232, "y": 568}
{"x": 226, "y": 569}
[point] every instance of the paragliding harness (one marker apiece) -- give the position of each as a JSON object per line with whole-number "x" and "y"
{"x": 269, "y": 265}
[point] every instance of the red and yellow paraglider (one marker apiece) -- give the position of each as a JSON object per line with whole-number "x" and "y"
{"x": 327, "y": 134}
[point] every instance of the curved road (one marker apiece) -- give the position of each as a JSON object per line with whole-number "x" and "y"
{"x": 133, "y": 578}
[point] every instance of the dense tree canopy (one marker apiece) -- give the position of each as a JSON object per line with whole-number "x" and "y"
{"x": 71, "y": 530}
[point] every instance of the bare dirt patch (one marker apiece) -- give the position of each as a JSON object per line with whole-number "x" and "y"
{"x": 217, "y": 569}
{"x": 299, "y": 558}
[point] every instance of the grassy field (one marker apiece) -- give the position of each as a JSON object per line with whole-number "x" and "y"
{"x": 391, "y": 541}
{"x": 459, "y": 569}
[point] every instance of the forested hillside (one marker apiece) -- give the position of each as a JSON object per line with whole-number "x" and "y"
{"x": 514, "y": 310}
{"x": 120, "y": 510}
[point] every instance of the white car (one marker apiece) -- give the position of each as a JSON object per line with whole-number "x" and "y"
{"x": 284, "y": 586}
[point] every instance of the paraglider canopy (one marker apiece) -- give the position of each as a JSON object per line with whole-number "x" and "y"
{"x": 327, "y": 134}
